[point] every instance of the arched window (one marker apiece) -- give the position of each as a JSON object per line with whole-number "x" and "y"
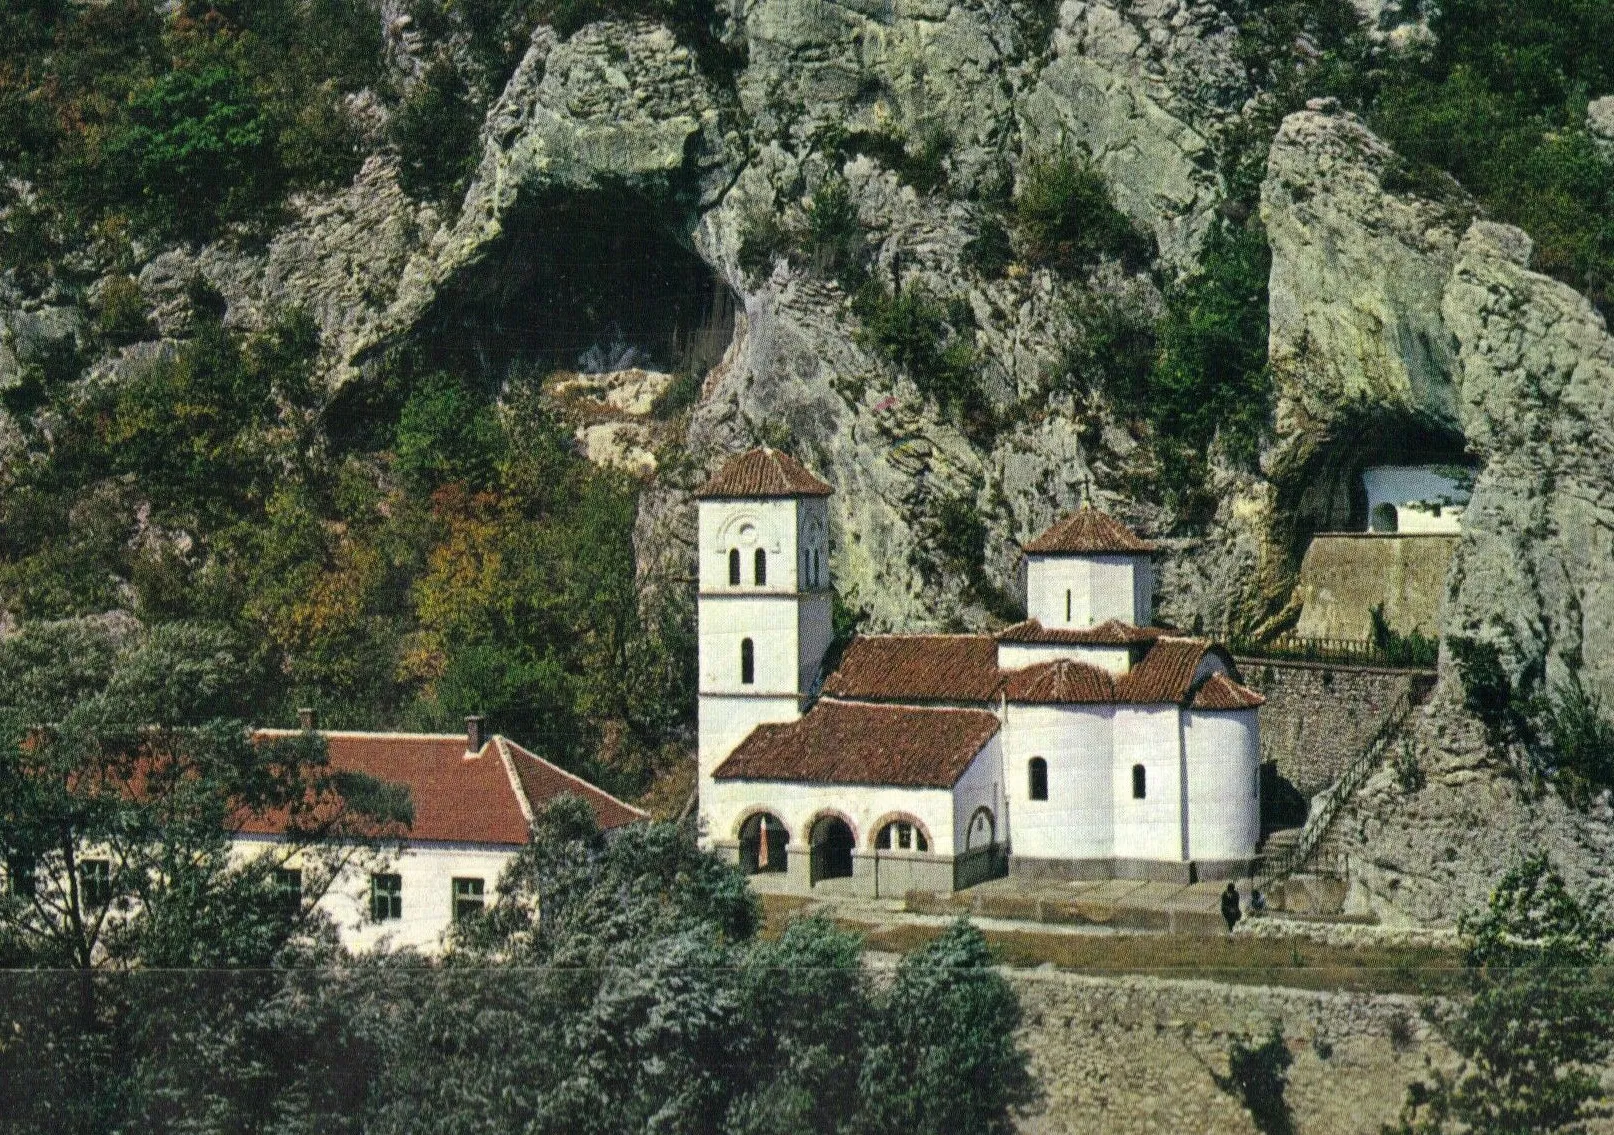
{"x": 762, "y": 567}
{"x": 748, "y": 662}
{"x": 1140, "y": 785}
{"x": 983, "y": 830}
{"x": 832, "y": 843}
{"x": 763, "y": 845}
{"x": 734, "y": 567}
{"x": 1038, "y": 775}
{"x": 901, "y": 835}
{"x": 1067, "y": 605}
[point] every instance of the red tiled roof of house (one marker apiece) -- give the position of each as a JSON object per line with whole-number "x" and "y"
{"x": 459, "y": 797}
{"x": 852, "y": 743}
{"x": 1111, "y": 632}
{"x": 763, "y": 473}
{"x": 1089, "y": 531}
{"x": 1221, "y": 692}
{"x": 917, "y": 668}
{"x": 1063, "y": 681}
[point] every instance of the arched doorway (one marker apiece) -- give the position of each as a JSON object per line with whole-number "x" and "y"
{"x": 983, "y": 830}
{"x": 832, "y": 844}
{"x": 763, "y": 839}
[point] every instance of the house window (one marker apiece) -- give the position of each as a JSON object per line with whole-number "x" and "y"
{"x": 1038, "y": 775}
{"x": 96, "y": 875}
{"x": 748, "y": 662}
{"x": 288, "y": 884}
{"x": 20, "y": 876}
{"x": 900, "y": 835}
{"x": 1067, "y": 606}
{"x": 1140, "y": 785}
{"x": 467, "y": 899}
{"x": 386, "y": 897}
{"x": 761, "y": 571}
{"x": 734, "y": 567}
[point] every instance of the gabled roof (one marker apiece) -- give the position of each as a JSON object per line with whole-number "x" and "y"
{"x": 1165, "y": 674}
{"x": 763, "y": 473}
{"x": 1063, "y": 681}
{"x": 1088, "y": 531}
{"x": 460, "y": 797}
{"x": 1111, "y": 632}
{"x": 917, "y": 668}
{"x": 851, "y": 743}
{"x": 1221, "y": 692}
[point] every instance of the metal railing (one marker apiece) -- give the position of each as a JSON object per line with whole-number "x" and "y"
{"x": 1329, "y": 802}
{"x": 1346, "y": 651}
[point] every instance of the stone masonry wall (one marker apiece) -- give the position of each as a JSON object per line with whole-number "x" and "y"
{"x": 1137, "y": 1054}
{"x": 1319, "y": 716}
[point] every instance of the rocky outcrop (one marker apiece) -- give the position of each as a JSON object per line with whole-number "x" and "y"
{"x": 1535, "y": 569}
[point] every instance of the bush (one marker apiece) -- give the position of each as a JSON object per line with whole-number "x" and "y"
{"x": 918, "y": 333}
{"x": 122, "y": 316}
{"x": 1403, "y": 650}
{"x": 1582, "y": 740}
{"x": 446, "y": 433}
{"x": 1257, "y": 1077}
{"x": 917, "y": 160}
{"x": 1488, "y": 691}
{"x": 990, "y": 250}
{"x": 764, "y": 239}
{"x": 833, "y": 242}
{"x": 436, "y": 131}
{"x": 1064, "y": 218}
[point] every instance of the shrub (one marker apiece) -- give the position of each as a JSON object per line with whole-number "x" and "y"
{"x": 436, "y": 132}
{"x": 1409, "y": 772}
{"x": 833, "y": 238}
{"x": 122, "y": 316}
{"x": 917, "y": 332}
{"x": 1065, "y": 219}
{"x": 764, "y": 239}
{"x": 1116, "y": 349}
{"x": 1257, "y": 1077}
{"x": 1488, "y": 691}
{"x": 1402, "y": 650}
{"x": 917, "y": 160}
{"x": 446, "y": 433}
{"x": 1582, "y": 740}
{"x": 990, "y": 250}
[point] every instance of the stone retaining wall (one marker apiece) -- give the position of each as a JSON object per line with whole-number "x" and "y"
{"x": 1137, "y": 1054}
{"x": 1318, "y": 716}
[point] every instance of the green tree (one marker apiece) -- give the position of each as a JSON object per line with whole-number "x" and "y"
{"x": 1534, "y": 1031}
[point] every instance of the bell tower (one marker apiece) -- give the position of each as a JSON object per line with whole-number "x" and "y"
{"x": 764, "y": 600}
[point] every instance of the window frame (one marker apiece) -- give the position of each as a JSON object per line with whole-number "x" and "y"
{"x": 759, "y": 568}
{"x": 464, "y": 891}
{"x": 1140, "y": 782}
{"x": 734, "y": 567}
{"x": 288, "y": 886}
{"x": 748, "y": 662}
{"x": 1037, "y": 779}
{"x": 95, "y": 882}
{"x": 386, "y": 887}
{"x": 22, "y": 876}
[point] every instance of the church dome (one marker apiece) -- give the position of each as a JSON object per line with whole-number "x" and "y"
{"x": 1088, "y": 531}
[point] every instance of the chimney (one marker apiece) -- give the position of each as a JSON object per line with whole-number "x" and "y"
{"x": 307, "y": 719}
{"x": 474, "y": 733}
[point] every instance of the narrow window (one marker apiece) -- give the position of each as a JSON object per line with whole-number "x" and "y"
{"x": 97, "y": 879}
{"x": 21, "y": 877}
{"x": 748, "y": 662}
{"x": 734, "y": 567}
{"x": 920, "y": 842}
{"x": 288, "y": 883}
{"x": 882, "y": 841}
{"x": 762, "y": 567}
{"x": 1140, "y": 785}
{"x": 386, "y": 897}
{"x": 1067, "y": 606}
{"x": 1039, "y": 778}
{"x": 467, "y": 899}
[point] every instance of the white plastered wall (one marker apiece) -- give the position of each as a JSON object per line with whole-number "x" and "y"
{"x": 797, "y": 804}
{"x": 1224, "y": 778}
{"x": 1077, "y": 819}
{"x": 747, "y": 525}
{"x": 1151, "y": 828}
{"x": 1100, "y": 587}
{"x": 981, "y": 786}
{"x": 1018, "y": 655}
{"x": 427, "y": 873}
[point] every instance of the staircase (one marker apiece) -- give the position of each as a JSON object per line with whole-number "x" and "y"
{"x": 1290, "y": 850}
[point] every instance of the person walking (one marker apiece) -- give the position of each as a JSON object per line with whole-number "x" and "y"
{"x": 1230, "y": 907}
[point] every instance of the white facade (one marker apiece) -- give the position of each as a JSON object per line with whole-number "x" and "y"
{"x": 1018, "y": 655}
{"x": 1076, "y": 592}
{"x": 1416, "y": 499}
{"x": 1076, "y": 820}
{"x": 1222, "y": 753}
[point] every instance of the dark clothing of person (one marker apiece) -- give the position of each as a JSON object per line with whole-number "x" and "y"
{"x": 1258, "y": 902}
{"x": 1230, "y": 906}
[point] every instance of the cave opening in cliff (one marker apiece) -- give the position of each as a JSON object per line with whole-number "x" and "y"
{"x": 594, "y": 281}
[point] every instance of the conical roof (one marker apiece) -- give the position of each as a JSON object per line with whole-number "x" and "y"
{"x": 1088, "y": 531}
{"x": 763, "y": 472}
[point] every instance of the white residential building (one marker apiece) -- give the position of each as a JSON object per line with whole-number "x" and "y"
{"x": 1081, "y": 743}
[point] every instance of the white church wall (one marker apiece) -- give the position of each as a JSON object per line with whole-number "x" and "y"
{"x": 798, "y": 804}
{"x": 1083, "y": 591}
{"x": 981, "y": 786}
{"x": 426, "y": 871}
{"x": 1150, "y": 828}
{"x": 1077, "y": 819}
{"x": 812, "y": 543}
{"x": 772, "y": 623}
{"x": 1224, "y": 779}
{"x": 1018, "y": 655}
{"x": 814, "y": 630}
{"x": 726, "y": 721}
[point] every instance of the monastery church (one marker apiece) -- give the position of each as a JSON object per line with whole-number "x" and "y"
{"x": 1082, "y": 743}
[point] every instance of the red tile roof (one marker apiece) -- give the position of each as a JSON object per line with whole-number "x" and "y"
{"x": 852, "y": 743}
{"x": 917, "y": 668}
{"x": 763, "y": 473}
{"x": 1112, "y": 632}
{"x": 1061, "y": 682}
{"x": 1088, "y": 531}
{"x": 458, "y": 797}
{"x": 1221, "y": 692}
{"x": 1165, "y": 675}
